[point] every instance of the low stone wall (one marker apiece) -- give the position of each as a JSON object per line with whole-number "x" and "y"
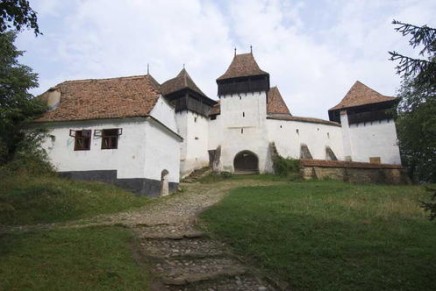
{"x": 353, "y": 172}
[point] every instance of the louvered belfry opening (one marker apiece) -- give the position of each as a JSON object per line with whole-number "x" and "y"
{"x": 246, "y": 162}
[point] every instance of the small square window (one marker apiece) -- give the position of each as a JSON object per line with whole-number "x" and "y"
{"x": 82, "y": 139}
{"x": 109, "y": 138}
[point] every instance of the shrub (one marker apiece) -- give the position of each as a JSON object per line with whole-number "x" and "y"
{"x": 226, "y": 175}
{"x": 285, "y": 166}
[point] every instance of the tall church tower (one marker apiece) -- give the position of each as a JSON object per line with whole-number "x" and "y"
{"x": 242, "y": 91}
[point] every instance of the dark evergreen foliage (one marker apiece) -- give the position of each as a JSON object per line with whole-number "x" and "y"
{"x": 416, "y": 121}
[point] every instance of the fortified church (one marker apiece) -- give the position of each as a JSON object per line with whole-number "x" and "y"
{"x": 146, "y": 136}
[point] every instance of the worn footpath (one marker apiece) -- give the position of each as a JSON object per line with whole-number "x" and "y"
{"x": 179, "y": 256}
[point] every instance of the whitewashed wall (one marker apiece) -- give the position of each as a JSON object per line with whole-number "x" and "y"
{"x": 145, "y": 148}
{"x": 376, "y": 139}
{"x": 182, "y": 130}
{"x": 197, "y": 140}
{"x": 165, "y": 113}
{"x": 215, "y": 133}
{"x": 194, "y": 129}
{"x": 243, "y": 118}
{"x": 289, "y": 135}
{"x": 60, "y": 148}
{"x": 162, "y": 152}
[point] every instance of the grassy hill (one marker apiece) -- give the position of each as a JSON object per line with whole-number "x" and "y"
{"x": 26, "y": 199}
{"x": 89, "y": 258}
{"x": 328, "y": 235}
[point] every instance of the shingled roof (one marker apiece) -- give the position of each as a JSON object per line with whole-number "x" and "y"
{"x": 275, "y": 102}
{"x": 360, "y": 94}
{"x": 180, "y": 82}
{"x": 243, "y": 65}
{"x": 104, "y": 98}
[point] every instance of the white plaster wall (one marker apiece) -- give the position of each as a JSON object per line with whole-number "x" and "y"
{"x": 246, "y": 112}
{"x": 128, "y": 159}
{"x": 215, "y": 133}
{"x": 197, "y": 141}
{"x": 289, "y": 135}
{"x": 376, "y": 139}
{"x": 162, "y": 152}
{"x": 144, "y": 149}
{"x": 348, "y": 154}
{"x": 164, "y": 112}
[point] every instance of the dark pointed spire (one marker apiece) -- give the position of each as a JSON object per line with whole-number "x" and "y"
{"x": 235, "y": 51}
{"x": 251, "y": 49}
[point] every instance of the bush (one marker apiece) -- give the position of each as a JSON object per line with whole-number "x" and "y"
{"x": 226, "y": 175}
{"x": 30, "y": 159}
{"x": 285, "y": 166}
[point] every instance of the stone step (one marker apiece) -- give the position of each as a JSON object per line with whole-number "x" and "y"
{"x": 238, "y": 283}
{"x": 193, "y": 247}
{"x": 184, "y": 271}
{"x": 165, "y": 232}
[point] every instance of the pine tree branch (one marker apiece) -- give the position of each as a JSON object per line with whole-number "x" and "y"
{"x": 421, "y": 35}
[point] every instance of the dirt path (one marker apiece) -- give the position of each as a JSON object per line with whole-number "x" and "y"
{"x": 179, "y": 256}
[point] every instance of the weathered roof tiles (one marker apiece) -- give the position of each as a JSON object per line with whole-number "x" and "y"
{"x": 180, "y": 82}
{"x": 102, "y": 99}
{"x": 243, "y": 65}
{"x": 275, "y": 102}
{"x": 360, "y": 94}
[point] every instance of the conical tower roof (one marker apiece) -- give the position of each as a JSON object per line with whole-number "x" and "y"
{"x": 180, "y": 82}
{"x": 243, "y": 65}
{"x": 360, "y": 94}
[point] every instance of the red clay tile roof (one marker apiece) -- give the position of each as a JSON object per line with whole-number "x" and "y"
{"x": 180, "y": 82}
{"x": 301, "y": 119}
{"x": 243, "y": 65}
{"x": 360, "y": 94}
{"x": 275, "y": 102}
{"x": 104, "y": 98}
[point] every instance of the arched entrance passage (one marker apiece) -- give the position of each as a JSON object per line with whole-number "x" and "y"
{"x": 246, "y": 161}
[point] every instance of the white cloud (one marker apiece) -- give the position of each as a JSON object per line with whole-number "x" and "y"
{"x": 314, "y": 50}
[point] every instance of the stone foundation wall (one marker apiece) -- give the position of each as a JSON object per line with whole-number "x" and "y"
{"x": 353, "y": 172}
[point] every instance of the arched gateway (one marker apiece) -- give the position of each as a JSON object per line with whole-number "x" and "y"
{"x": 246, "y": 161}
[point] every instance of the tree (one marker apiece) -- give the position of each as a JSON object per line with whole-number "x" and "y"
{"x": 17, "y": 14}
{"x": 416, "y": 120}
{"x": 17, "y": 105}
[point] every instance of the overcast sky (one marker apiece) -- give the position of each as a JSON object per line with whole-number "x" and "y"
{"x": 314, "y": 50}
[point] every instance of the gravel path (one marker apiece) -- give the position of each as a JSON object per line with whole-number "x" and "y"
{"x": 179, "y": 256}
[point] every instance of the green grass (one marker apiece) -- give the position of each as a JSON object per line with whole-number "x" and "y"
{"x": 73, "y": 259}
{"x": 214, "y": 178}
{"x": 45, "y": 199}
{"x": 328, "y": 235}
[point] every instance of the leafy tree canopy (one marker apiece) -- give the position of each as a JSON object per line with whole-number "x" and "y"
{"x": 16, "y": 104}
{"x": 17, "y": 14}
